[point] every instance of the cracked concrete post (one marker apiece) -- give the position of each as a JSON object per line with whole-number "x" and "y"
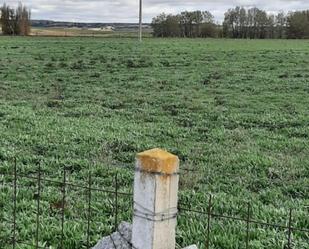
{"x": 155, "y": 200}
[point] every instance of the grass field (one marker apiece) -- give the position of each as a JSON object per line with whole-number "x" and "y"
{"x": 235, "y": 111}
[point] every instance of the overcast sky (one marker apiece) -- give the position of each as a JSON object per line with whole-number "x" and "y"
{"x": 127, "y": 10}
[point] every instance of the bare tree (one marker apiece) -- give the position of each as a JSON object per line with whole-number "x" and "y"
{"x": 15, "y": 22}
{"x": 281, "y": 20}
{"x": 298, "y": 25}
{"x": 186, "y": 24}
{"x": 239, "y": 22}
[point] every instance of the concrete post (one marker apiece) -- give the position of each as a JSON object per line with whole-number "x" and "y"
{"x": 155, "y": 200}
{"x": 140, "y": 32}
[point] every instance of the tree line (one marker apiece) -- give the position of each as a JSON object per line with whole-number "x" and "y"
{"x": 255, "y": 23}
{"x": 186, "y": 24}
{"x": 15, "y": 21}
{"x": 239, "y": 22}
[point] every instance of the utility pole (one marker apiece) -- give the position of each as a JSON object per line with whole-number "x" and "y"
{"x": 140, "y": 20}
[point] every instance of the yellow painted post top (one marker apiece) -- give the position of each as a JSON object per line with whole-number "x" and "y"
{"x": 158, "y": 161}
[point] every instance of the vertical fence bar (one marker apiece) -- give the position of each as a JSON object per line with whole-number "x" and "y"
{"x": 38, "y": 206}
{"x": 289, "y": 246}
{"x": 14, "y": 202}
{"x": 208, "y": 221}
{"x": 89, "y": 210}
{"x": 63, "y": 206}
{"x": 248, "y": 226}
{"x": 116, "y": 201}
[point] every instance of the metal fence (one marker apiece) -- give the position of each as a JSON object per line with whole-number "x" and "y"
{"x": 208, "y": 213}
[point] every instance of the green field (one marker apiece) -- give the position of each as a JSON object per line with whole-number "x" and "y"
{"x": 80, "y": 32}
{"x": 237, "y": 112}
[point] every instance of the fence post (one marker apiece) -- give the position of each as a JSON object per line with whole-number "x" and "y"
{"x": 155, "y": 200}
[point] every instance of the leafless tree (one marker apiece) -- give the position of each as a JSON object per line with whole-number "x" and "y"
{"x": 15, "y": 21}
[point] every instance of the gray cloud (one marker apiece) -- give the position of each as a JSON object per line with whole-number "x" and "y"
{"x": 127, "y": 10}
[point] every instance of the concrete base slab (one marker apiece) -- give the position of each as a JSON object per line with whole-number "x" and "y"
{"x": 118, "y": 240}
{"x": 191, "y": 247}
{"x": 121, "y": 239}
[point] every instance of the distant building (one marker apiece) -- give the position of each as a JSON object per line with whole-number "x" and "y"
{"x": 105, "y": 28}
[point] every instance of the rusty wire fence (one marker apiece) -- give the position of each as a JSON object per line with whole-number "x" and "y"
{"x": 13, "y": 234}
